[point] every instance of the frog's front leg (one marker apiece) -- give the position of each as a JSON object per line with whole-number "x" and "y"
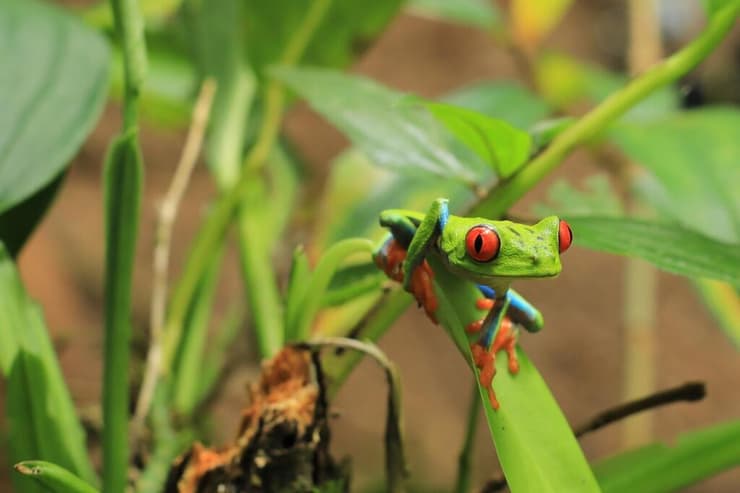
{"x": 390, "y": 259}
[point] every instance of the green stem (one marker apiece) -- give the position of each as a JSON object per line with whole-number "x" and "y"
{"x": 462, "y": 484}
{"x": 594, "y": 122}
{"x": 130, "y": 29}
{"x": 122, "y": 187}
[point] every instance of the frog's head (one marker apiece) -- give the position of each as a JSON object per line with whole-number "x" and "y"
{"x": 489, "y": 252}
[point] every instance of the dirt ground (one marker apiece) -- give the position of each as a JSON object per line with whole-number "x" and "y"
{"x": 579, "y": 353}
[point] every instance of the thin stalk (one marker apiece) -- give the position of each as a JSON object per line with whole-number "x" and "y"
{"x": 214, "y": 230}
{"x": 166, "y": 217}
{"x": 395, "y": 458}
{"x": 462, "y": 483}
{"x": 122, "y": 188}
{"x": 640, "y": 278}
{"x": 507, "y": 192}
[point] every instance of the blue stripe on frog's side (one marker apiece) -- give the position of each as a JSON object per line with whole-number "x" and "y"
{"x": 520, "y": 310}
{"x": 444, "y": 215}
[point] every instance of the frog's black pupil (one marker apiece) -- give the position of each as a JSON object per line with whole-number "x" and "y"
{"x": 478, "y": 243}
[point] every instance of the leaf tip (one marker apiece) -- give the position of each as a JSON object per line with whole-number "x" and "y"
{"x": 23, "y": 468}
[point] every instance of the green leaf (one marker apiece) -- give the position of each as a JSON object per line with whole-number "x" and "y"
{"x": 693, "y": 156}
{"x": 507, "y": 101}
{"x": 499, "y": 144}
{"x": 723, "y": 302}
{"x": 189, "y": 364}
{"x": 670, "y": 247}
{"x": 393, "y": 129}
{"x": 55, "y": 478}
{"x": 534, "y": 442}
{"x": 17, "y": 223}
{"x": 218, "y": 34}
{"x": 42, "y": 421}
{"x": 122, "y": 181}
{"x": 597, "y": 198}
{"x": 477, "y": 13}
{"x": 351, "y": 282}
{"x": 346, "y": 30}
{"x": 659, "y": 468}
{"x": 52, "y": 92}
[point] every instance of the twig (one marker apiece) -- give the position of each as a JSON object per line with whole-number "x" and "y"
{"x": 640, "y": 278}
{"x": 395, "y": 459}
{"x": 688, "y": 392}
{"x": 166, "y": 217}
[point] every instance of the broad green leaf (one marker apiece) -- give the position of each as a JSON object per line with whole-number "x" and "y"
{"x": 659, "y": 468}
{"x": 42, "y": 421}
{"x": 351, "y": 282}
{"x": 393, "y": 129}
{"x": 52, "y": 89}
{"x": 506, "y": 100}
{"x": 597, "y": 198}
{"x": 694, "y": 157}
{"x": 502, "y": 146}
{"x": 123, "y": 172}
{"x": 345, "y": 30}
{"x": 532, "y": 20}
{"x": 712, "y": 6}
{"x": 669, "y": 247}
{"x": 55, "y": 478}
{"x": 534, "y": 442}
{"x": 155, "y": 12}
{"x": 477, "y": 13}
{"x": 17, "y": 223}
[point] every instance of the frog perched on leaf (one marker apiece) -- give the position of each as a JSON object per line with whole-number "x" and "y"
{"x": 489, "y": 253}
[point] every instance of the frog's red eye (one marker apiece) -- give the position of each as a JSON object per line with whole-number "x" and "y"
{"x": 565, "y": 236}
{"x": 482, "y": 243}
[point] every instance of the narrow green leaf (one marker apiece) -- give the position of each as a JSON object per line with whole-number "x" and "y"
{"x": 42, "y": 420}
{"x": 315, "y": 288}
{"x": 499, "y": 144}
{"x": 351, "y": 282}
{"x": 52, "y": 93}
{"x": 217, "y": 354}
{"x": 534, "y": 442}
{"x": 723, "y": 302}
{"x": 507, "y": 100}
{"x": 667, "y": 246}
{"x": 545, "y": 131}
{"x": 660, "y": 468}
{"x": 259, "y": 278}
{"x": 122, "y": 180}
{"x": 218, "y": 34}
{"x": 477, "y": 13}
{"x": 393, "y": 129}
{"x": 53, "y": 477}
{"x": 189, "y": 363}
{"x": 300, "y": 273}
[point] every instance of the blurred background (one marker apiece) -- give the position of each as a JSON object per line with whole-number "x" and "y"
{"x": 578, "y": 353}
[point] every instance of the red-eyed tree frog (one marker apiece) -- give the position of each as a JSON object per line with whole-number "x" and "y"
{"x": 489, "y": 253}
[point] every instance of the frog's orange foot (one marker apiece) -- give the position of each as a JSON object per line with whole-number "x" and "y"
{"x": 480, "y": 304}
{"x": 422, "y": 287}
{"x": 506, "y": 339}
{"x": 485, "y": 361}
{"x": 390, "y": 259}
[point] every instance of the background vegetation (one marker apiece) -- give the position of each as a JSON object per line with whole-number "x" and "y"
{"x": 489, "y": 101}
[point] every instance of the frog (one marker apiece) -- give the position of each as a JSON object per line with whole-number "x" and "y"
{"x": 490, "y": 253}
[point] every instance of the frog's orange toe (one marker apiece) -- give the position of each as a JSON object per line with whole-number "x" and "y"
{"x": 485, "y": 361}
{"x": 506, "y": 339}
{"x": 422, "y": 287}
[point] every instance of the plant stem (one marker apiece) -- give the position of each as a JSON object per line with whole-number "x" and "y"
{"x": 507, "y": 192}
{"x": 166, "y": 218}
{"x": 122, "y": 176}
{"x": 462, "y": 483}
{"x": 130, "y": 29}
{"x": 395, "y": 458}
